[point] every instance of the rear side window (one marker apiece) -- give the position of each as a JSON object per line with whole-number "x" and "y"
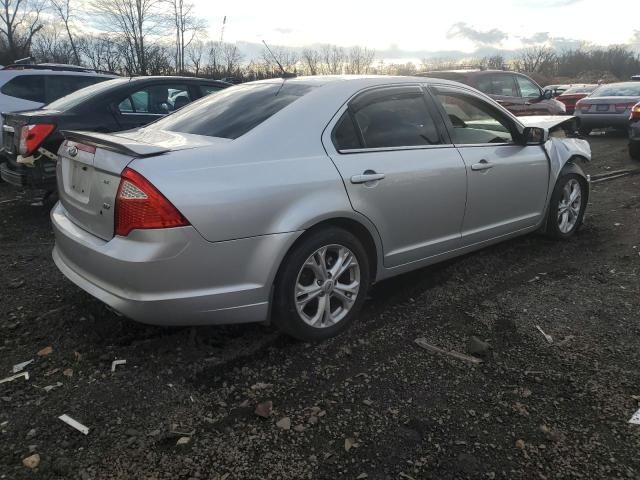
{"x": 394, "y": 117}
{"x": 58, "y": 86}
{"x": 234, "y": 111}
{"x": 26, "y": 87}
{"x": 503, "y": 85}
{"x": 344, "y": 134}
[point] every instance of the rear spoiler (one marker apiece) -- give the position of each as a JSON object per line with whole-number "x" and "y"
{"x": 115, "y": 143}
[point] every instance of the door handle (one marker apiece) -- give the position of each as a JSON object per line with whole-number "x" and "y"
{"x": 367, "y": 176}
{"x": 483, "y": 165}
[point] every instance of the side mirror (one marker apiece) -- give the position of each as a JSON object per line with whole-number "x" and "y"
{"x": 164, "y": 106}
{"x": 534, "y": 136}
{"x": 547, "y": 94}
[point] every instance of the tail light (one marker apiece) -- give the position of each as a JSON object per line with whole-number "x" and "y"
{"x": 635, "y": 112}
{"x": 580, "y": 105}
{"x": 139, "y": 205}
{"x": 32, "y": 136}
{"x": 621, "y": 107}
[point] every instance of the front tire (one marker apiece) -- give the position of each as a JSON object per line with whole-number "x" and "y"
{"x": 321, "y": 285}
{"x": 568, "y": 203}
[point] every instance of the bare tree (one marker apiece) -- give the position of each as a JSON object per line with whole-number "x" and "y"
{"x": 187, "y": 27}
{"x": 19, "y": 22}
{"x": 62, "y": 8}
{"x": 133, "y": 21}
{"x": 359, "y": 60}
{"x": 538, "y": 59}
{"x": 333, "y": 59}
{"x": 286, "y": 57}
{"x": 50, "y": 45}
{"x": 196, "y": 53}
{"x": 232, "y": 57}
{"x": 311, "y": 60}
{"x": 102, "y": 52}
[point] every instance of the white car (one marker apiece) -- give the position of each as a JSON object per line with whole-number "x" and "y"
{"x": 27, "y": 87}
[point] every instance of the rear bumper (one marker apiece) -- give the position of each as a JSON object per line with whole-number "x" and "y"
{"x": 39, "y": 176}
{"x": 594, "y": 120}
{"x": 172, "y": 276}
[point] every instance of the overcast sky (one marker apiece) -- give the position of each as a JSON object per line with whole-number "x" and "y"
{"x": 429, "y": 25}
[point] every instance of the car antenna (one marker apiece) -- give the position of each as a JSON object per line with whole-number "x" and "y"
{"x": 285, "y": 74}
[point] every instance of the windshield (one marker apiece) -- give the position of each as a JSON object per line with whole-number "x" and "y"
{"x": 629, "y": 89}
{"x": 74, "y": 99}
{"x": 234, "y": 111}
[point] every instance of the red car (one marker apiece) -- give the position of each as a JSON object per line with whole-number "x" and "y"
{"x": 570, "y": 96}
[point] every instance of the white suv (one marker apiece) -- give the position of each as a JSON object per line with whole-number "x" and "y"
{"x": 27, "y": 87}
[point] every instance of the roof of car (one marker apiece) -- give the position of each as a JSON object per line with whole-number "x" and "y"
{"x": 176, "y": 77}
{"x": 56, "y": 67}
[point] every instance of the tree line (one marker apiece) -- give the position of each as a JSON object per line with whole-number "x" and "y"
{"x": 165, "y": 37}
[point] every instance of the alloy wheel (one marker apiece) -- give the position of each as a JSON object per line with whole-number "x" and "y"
{"x": 569, "y": 206}
{"x": 327, "y": 286}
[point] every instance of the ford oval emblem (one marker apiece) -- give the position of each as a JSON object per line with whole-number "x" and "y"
{"x": 73, "y": 150}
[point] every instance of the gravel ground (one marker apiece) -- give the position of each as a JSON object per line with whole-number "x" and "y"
{"x": 369, "y": 404}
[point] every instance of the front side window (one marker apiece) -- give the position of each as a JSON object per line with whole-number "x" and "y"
{"x": 26, "y": 87}
{"x": 235, "y": 110}
{"x": 474, "y": 121}
{"x": 502, "y": 85}
{"x": 528, "y": 89}
{"x": 394, "y": 117}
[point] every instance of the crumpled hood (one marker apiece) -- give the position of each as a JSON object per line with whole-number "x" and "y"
{"x": 544, "y": 121}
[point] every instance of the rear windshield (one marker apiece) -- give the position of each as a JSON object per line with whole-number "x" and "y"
{"x": 234, "y": 111}
{"x": 574, "y": 90}
{"x": 74, "y": 99}
{"x": 630, "y": 89}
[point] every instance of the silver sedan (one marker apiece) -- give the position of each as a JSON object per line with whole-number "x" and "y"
{"x": 284, "y": 200}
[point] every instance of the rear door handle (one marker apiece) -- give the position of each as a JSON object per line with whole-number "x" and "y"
{"x": 367, "y": 176}
{"x": 483, "y": 165}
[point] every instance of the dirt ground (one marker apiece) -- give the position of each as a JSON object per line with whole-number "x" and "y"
{"x": 369, "y": 404}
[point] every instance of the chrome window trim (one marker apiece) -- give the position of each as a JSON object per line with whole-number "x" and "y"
{"x": 352, "y": 151}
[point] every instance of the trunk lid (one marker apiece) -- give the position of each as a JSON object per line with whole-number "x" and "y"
{"x": 12, "y": 124}
{"x": 90, "y": 165}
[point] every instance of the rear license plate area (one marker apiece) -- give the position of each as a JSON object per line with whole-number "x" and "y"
{"x": 602, "y": 108}
{"x": 81, "y": 177}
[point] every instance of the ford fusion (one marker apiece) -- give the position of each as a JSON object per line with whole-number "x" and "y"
{"x": 284, "y": 200}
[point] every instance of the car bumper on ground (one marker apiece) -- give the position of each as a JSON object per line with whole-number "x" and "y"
{"x": 593, "y": 120}
{"x": 172, "y": 276}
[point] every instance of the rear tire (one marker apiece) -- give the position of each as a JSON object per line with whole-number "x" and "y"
{"x": 321, "y": 285}
{"x": 567, "y": 206}
{"x": 634, "y": 150}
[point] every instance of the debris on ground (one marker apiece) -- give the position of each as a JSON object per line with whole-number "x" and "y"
{"x": 350, "y": 443}
{"x": 45, "y": 351}
{"x": 264, "y": 409}
{"x": 18, "y": 367}
{"x": 32, "y": 461}
{"x": 636, "y": 418}
{"x": 115, "y": 363}
{"x": 421, "y": 342}
{"x": 74, "y": 423}
{"x": 48, "y": 388}
{"x": 475, "y": 346}
{"x": 284, "y": 423}
{"x": 546, "y": 336}
{"x": 68, "y": 372}
{"x": 16, "y": 376}
{"x": 183, "y": 441}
